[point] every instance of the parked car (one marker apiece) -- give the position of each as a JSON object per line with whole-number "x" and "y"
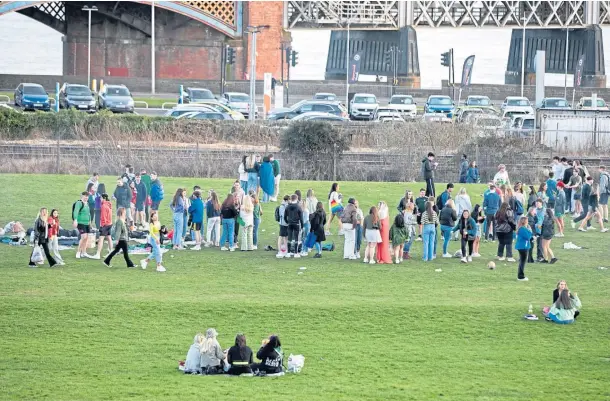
{"x": 188, "y": 108}
{"x": 194, "y": 95}
{"x": 325, "y": 96}
{"x": 487, "y": 125}
{"x": 386, "y": 114}
{"x": 478, "y": 101}
{"x": 586, "y": 103}
{"x": 321, "y": 106}
{"x": 465, "y": 114}
{"x": 239, "y": 102}
{"x": 76, "y": 96}
{"x": 115, "y": 98}
{"x": 363, "y": 106}
{"x": 205, "y": 115}
{"x": 405, "y": 105}
{"x": 554, "y": 103}
{"x": 440, "y": 104}
{"x": 523, "y": 125}
{"x": 32, "y": 97}
{"x": 319, "y": 116}
{"x": 436, "y": 118}
{"x": 517, "y": 102}
{"x": 221, "y": 108}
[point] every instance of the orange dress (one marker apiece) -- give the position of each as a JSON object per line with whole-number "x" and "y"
{"x": 383, "y": 248}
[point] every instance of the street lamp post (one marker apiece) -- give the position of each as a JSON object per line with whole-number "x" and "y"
{"x": 152, "y": 47}
{"x": 524, "y": 19}
{"x": 565, "y": 75}
{"x": 347, "y": 68}
{"x": 89, "y": 9}
{"x": 253, "y": 30}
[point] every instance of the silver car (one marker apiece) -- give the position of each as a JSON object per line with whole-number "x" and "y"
{"x": 115, "y": 98}
{"x": 239, "y": 102}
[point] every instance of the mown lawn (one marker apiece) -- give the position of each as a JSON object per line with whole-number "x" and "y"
{"x": 383, "y": 332}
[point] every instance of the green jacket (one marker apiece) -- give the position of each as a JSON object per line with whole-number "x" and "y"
{"x": 81, "y": 214}
{"x": 147, "y": 182}
{"x": 276, "y": 168}
{"x": 398, "y": 236}
{"x": 120, "y": 230}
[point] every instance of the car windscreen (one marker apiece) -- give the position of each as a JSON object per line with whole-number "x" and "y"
{"x": 34, "y": 90}
{"x": 401, "y": 100}
{"x": 589, "y": 102}
{"x": 78, "y": 90}
{"x": 201, "y": 94}
{"x": 517, "y": 102}
{"x": 440, "y": 101}
{"x": 478, "y": 101}
{"x": 365, "y": 99}
{"x": 528, "y": 123}
{"x": 325, "y": 97}
{"x": 240, "y": 99}
{"x": 556, "y": 103}
{"x": 117, "y": 92}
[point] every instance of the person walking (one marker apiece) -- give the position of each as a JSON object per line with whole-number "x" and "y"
{"x": 53, "y": 234}
{"x": 463, "y": 169}
{"x": 429, "y": 220}
{"x": 505, "y": 222}
{"x": 448, "y": 217}
{"x": 80, "y": 221}
{"x": 349, "y": 220}
{"x": 122, "y": 235}
{"x": 154, "y": 239}
{"x": 523, "y": 245}
{"x": 593, "y": 210}
{"x": 491, "y": 204}
{"x": 41, "y": 238}
{"x": 428, "y": 167}
{"x": 585, "y": 202}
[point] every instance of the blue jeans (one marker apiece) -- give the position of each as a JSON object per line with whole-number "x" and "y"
{"x": 178, "y": 228}
{"x": 155, "y": 253}
{"x": 244, "y": 186}
{"x": 318, "y": 247}
{"x": 252, "y": 183}
{"x": 305, "y": 231}
{"x": 185, "y": 227}
{"x": 407, "y": 246}
{"x": 446, "y": 231}
{"x": 429, "y": 239}
{"x": 228, "y": 232}
{"x": 265, "y": 197}
{"x": 257, "y": 222}
{"x": 358, "y": 237}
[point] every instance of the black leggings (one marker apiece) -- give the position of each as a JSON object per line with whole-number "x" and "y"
{"x": 470, "y": 244}
{"x": 430, "y": 187}
{"x": 120, "y": 245}
{"x": 522, "y": 260}
{"x": 47, "y": 254}
{"x": 293, "y": 237}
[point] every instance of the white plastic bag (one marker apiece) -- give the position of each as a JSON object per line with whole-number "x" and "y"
{"x": 37, "y": 255}
{"x": 295, "y": 363}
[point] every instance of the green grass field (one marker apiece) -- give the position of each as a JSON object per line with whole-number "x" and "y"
{"x": 382, "y": 332}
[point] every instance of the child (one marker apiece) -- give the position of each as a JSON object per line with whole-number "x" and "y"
{"x": 258, "y": 212}
{"x": 53, "y": 236}
{"x": 105, "y": 226}
{"x": 467, "y": 229}
{"x": 398, "y": 236}
{"x": 154, "y": 239}
{"x": 370, "y": 230}
{"x": 318, "y": 224}
{"x": 411, "y": 224}
{"x": 523, "y": 245}
{"x": 478, "y": 217}
{"x": 565, "y": 308}
{"x": 532, "y": 221}
{"x": 192, "y": 365}
{"x": 560, "y": 203}
{"x": 246, "y": 215}
{"x": 120, "y": 230}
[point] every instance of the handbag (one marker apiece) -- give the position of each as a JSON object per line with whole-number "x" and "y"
{"x": 310, "y": 240}
{"x": 37, "y": 256}
{"x": 336, "y": 207}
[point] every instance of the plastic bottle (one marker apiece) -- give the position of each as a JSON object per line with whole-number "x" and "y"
{"x": 530, "y": 310}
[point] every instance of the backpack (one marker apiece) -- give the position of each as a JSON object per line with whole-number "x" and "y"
{"x": 607, "y": 182}
{"x": 439, "y": 202}
{"x": 518, "y": 207}
{"x": 82, "y": 205}
{"x": 277, "y": 214}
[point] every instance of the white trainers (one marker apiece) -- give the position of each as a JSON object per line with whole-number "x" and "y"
{"x": 232, "y": 249}
{"x": 418, "y": 239}
{"x": 96, "y": 257}
{"x": 77, "y": 255}
{"x": 469, "y": 259}
{"x": 161, "y": 269}
{"x": 582, "y": 229}
{"x": 289, "y": 255}
{"x": 573, "y": 224}
{"x": 143, "y": 264}
{"x": 501, "y": 258}
{"x": 304, "y": 254}
{"x": 297, "y": 255}
{"x": 605, "y": 230}
{"x": 254, "y": 247}
{"x": 224, "y": 248}
{"x": 353, "y": 257}
{"x": 523, "y": 279}
{"x": 365, "y": 260}
{"x": 447, "y": 255}
{"x": 280, "y": 255}
{"x": 397, "y": 261}
{"x": 196, "y": 248}
{"x": 476, "y": 255}
{"x": 372, "y": 262}
{"x": 464, "y": 260}
{"x": 591, "y": 228}
{"x": 511, "y": 260}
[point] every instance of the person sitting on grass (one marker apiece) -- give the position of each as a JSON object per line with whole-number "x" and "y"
{"x": 564, "y": 309}
{"x": 192, "y": 364}
{"x": 562, "y": 285}
{"x": 212, "y": 356}
{"x": 239, "y": 357}
{"x": 270, "y": 355}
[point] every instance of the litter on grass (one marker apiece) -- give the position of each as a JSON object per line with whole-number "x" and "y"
{"x": 602, "y": 268}
{"x": 438, "y": 270}
{"x": 570, "y": 245}
{"x": 302, "y": 268}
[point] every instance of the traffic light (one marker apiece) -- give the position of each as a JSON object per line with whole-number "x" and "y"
{"x": 288, "y": 52}
{"x": 230, "y": 55}
{"x": 387, "y": 58}
{"x": 294, "y": 58}
{"x": 445, "y": 59}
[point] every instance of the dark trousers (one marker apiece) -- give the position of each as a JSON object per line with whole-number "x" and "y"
{"x": 430, "y": 187}
{"x": 293, "y": 237}
{"x": 568, "y": 192}
{"x": 585, "y": 211}
{"x": 505, "y": 240}
{"x": 491, "y": 220}
{"x": 539, "y": 253}
{"x": 522, "y": 260}
{"x": 358, "y": 237}
{"x": 47, "y": 254}
{"x": 121, "y": 245}
{"x": 470, "y": 244}
{"x": 236, "y": 231}
{"x": 530, "y": 252}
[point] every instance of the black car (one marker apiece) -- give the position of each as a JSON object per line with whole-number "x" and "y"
{"x": 307, "y": 106}
{"x": 76, "y": 96}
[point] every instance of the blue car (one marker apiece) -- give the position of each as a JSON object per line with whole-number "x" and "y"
{"x": 440, "y": 104}
{"x": 32, "y": 97}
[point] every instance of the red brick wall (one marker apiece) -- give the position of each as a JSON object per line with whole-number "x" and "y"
{"x": 268, "y": 42}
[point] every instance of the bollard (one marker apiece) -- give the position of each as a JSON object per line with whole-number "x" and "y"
{"x": 56, "y": 97}
{"x": 180, "y": 101}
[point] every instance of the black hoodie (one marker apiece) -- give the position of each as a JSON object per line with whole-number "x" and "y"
{"x": 293, "y": 214}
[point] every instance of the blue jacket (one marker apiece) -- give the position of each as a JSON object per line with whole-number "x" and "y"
{"x": 473, "y": 175}
{"x": 491, "y": 202}
{"x": 445, "y": 196}
{"x": 540, "y": 219}
{"x": 179, "y": 207}
{"x": 551, "y": 189}
{"x": 524, "y": 237}
{"x": 196, "y": 210}
{"x": 471, "y": 227}
{"x": 156, "y": 191}
{"x": 210, "y": 212}
{"x": 267, "y": 178}
{"x": 560, "y": 204}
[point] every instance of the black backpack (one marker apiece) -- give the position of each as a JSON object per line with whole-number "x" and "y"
{"x": 82, "y": 205}
{"x": 277, "y": 214}
{"x": 439, "y": 202}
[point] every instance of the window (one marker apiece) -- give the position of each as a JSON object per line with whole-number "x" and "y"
{"x": 116, "y": 91}
{"x": 306, "y": 108}
{"x": 365, "y": 99}
{"x": 78, "y": 91}
{"x": 528, "y": 124}
{"x": 201, "y": 94}
{"x": 557, "y": 103}
{"x": 322, "y": 107}
{"x": 440, "y": 101}
{"x": 208, "y": 116}
{"x": 517, "y": 102}
{"x": 240, "y": 99}
{"x": 479, "y": 101}
{"x": 401, "y": 100}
